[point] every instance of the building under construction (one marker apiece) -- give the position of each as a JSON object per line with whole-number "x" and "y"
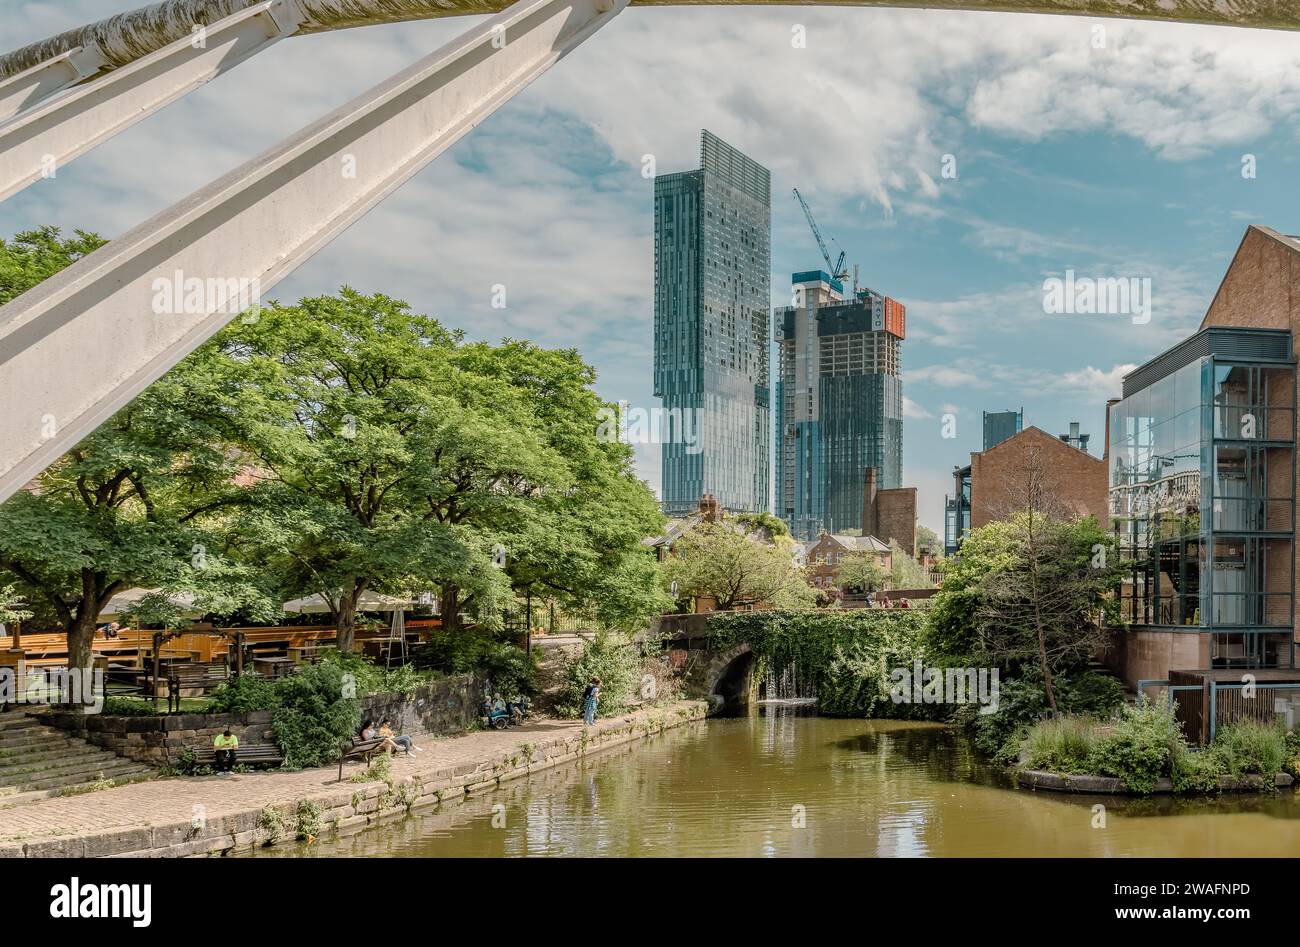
{"x": 839, "y": 402}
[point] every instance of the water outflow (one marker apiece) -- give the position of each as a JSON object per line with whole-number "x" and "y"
{"x": 789, "y": 685}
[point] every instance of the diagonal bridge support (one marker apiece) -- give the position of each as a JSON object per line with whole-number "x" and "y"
{"x": 45, "y": 137}
{"x": 83, "y": 343}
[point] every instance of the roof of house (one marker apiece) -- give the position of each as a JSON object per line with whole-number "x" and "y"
{"x": 1037, "y": 432}
{"x": 855, "y": 543}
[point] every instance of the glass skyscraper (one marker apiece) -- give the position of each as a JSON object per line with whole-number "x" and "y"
{"x": 839, "y": 402}
{"x": 712, "y": 298}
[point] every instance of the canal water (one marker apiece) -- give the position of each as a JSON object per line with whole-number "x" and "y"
{"x": 782, "y": 783}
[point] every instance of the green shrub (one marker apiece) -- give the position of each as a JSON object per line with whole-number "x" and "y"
{"x": 1144, "y": 744}
{"x": 618, "y": 666}
{"x": 1198, "y": 772}
{"x": 314, "y": 719}
{"x": 185, "y": 763}
{"x": 1250, "y": 747}
{"x": 1062, "y": 744}
{"x": 1022, "y": 702}
{"x": 242, "y": 695}
{"x": 367, "y": 676}
{"x": 126, "y": 707}
{"x": 308, "y": 819}
{"x": 1293, "y": 753}
{"x": 511, "y": 671}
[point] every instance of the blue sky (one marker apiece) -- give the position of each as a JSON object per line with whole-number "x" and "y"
{"x": 1114, "y": 158}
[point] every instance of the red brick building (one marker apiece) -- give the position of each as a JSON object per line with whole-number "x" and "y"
{"x": 1032, "y": 467}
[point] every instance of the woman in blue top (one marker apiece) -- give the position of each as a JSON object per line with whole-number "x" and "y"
{"x": 590, "y": 698}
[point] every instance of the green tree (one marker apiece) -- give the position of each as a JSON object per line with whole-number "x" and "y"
{"x": 12, "y": 606}
{"x": 34, "y": 255}
{"x": 1031, "y": 589}
{"x": 861, "y": 571}
{"x": 733, "y": 566}
{"x": 136, "y": 502}
{"x": 399, "y": 458}
{"x": 515, "y": 458}
{"x": 344, "y": 385}
{"x": 906, "y": 572}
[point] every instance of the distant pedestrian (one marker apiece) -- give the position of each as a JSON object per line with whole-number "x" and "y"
{"x": 590, "y": 699}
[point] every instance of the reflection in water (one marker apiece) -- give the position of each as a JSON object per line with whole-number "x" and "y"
{"x": 737, "y": 787}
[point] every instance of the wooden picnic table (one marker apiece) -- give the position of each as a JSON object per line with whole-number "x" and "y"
{"x": 272, "y": 667}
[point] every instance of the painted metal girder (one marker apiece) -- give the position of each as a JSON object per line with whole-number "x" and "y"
{"x": 26, "y": 88}
{"x": 126, "y": 37}
{"x": 81, "y": 344}
{"x": 40, "y": 141}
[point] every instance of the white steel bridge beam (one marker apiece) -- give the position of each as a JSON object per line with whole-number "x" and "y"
{"x": 43, "y": 139}
{"x": 26, "y": 88}
{"x": 123, "y": 38}
{"x": 80, "y": 345}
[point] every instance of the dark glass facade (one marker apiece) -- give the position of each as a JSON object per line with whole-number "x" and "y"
{"x": 839, "y": 403}
{"x": 712, "y": 316}
{"x": 1000, "y": 425}
{"x": 1202, "y": 493}
{"x": 956, "y": 514}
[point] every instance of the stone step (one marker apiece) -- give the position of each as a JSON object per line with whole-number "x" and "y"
{"x": 17, "y": 722}
{"x": 45, "y": 737}
{"x": 83, "y": 776}
{"x": 69, "y": 752}
{"x": 25, "y": 770}
{"x": 35, "y": 795}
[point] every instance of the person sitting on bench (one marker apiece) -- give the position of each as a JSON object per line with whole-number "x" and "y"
{"x": 368, "y": 732}
{"x": 386, "y": 730}
{"x": 224, "y": 746}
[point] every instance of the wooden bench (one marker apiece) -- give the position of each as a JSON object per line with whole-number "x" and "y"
{"x": 252, "y": 754}
{"x": 358, "y": 749}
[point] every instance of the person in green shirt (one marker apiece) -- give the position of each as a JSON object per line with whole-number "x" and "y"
{"x": 225, "y": 744}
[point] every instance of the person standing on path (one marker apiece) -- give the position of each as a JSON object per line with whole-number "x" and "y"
{"x": 590, "y": 698}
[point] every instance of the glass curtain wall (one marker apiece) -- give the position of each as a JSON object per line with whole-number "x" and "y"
{"x": 1201, "y": 498}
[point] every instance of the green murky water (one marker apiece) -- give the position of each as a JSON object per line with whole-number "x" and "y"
{"x": 741, "y": 787}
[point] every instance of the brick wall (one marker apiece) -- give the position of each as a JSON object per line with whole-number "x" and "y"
{"x": 1070, "y": 478}
{"x": 889, "y": 514}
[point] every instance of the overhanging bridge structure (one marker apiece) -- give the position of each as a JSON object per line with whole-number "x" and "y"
{"x": 63, "y": 96}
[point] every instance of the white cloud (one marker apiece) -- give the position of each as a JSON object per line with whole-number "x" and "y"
{"x": 547, "y": 197}
{"x": 913, "y": 410}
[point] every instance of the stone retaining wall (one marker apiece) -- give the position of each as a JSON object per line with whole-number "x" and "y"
{"x": 442, "y": 707}
{"x": 345, "y": 808}
{"x": 1110, "y": 786}
{"x": 151, "y": 739}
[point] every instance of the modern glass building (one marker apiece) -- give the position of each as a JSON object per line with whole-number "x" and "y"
{"x": 712, "y": 309}
{"x": 1000, "y": 425}
{"x": 1202, "y": 494}
{"x": 839, "y": 403}
{"x": 956, "y": 514}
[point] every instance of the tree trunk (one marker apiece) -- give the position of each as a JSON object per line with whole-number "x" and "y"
{"x": 345, "y": 626}
{"x": 81, "y": 635}
{"x": 450, "y": 608}
{"x": 1039, "y": 627}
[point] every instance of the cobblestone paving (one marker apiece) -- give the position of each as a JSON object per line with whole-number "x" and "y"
{"x": 165, "y": 801}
